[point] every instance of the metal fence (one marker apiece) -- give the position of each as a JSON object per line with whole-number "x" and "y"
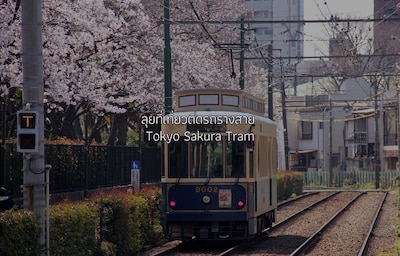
{"x": 356, "y": 179}
{"x": 76, "y": 167}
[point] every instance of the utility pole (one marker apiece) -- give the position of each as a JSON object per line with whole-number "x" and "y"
{"x": 3, "y": 157}
{"x": 284, "y": 119}
{"x": 241, "y": 64}
{"x": 398, "y": 129}
{"x": 377, "y": 139}
{"x": 167, "y": 61}
{"x": 32, "y": 86}
{"x": 330, "y": 143}
{"x": 270, "y": 91}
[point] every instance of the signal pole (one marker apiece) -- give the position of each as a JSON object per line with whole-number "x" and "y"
{"x": 34, "y": 195}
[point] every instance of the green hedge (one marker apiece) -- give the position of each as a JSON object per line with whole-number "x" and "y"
{"x": 19, "y": 233}
{"x": 289, "y": 183}
{"x": 72, "y": 229}
{"x": 116, "y": 223}
{"x": 110, "y": 224}
{"x": 129, "y": 223}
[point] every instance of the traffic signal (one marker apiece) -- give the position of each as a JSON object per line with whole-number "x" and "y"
{"x": 27, "y": 131}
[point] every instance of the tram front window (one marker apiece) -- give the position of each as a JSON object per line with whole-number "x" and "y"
{"x": 206, "y": 159}
{"x": 235, "y": 153}
{"x": 177, "y": 152}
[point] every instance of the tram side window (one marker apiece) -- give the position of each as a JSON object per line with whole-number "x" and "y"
{"x": 206, "y": 159}
{"x": 178, "y": 161}
{"x": 235, "y": 155}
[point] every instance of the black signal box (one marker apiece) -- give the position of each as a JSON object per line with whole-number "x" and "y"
{"x": 27, "y": 131}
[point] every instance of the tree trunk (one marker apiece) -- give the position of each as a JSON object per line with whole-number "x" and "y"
{"x": 68, "y": 128}
{"x": 119, "y": 129}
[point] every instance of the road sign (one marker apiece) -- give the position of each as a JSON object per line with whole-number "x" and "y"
{"x": 135, "y": 175}
{"x": 135, "y": 165}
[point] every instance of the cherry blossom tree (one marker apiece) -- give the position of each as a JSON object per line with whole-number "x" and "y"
{"x": 103, "y": 59}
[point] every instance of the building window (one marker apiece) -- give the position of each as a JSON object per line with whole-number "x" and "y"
{"x": 389, "y": 14}
{"x": 262, "y": 14}
{"x": 392, "y": 163}
{"x": 335, "y": 158}
{"x": 305, "y": 130}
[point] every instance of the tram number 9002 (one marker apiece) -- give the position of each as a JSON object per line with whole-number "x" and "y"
{"x": 206, "y": 189}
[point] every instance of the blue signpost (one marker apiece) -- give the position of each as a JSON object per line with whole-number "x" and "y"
{"x": 135, "y": 175}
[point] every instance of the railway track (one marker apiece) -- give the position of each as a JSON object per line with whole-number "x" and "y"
{"x": 317, "y": 237}
{"x": 355, "y": 214}
{"x": 318, "y": 223}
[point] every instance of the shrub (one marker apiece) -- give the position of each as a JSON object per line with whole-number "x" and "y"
{"x": 128, "y": 222}
{"x": 19, "y": 233}
{"x": 116, "y": 223}
{"x": 289, "y": 183}
{"x": 72, "y": 229}
{"x": 153, "y": 198}
{"x": 138, "y": 223}
{"x": 113, "y": 227}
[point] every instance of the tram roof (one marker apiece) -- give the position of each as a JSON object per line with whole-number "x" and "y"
{"x": 219, "y": 100}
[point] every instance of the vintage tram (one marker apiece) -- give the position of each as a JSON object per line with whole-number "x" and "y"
{"x": 220, "y": 163}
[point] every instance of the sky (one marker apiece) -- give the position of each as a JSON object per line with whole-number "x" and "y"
{"x": 315, "y": 34}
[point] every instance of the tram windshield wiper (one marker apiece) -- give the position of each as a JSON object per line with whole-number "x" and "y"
{"x": 208, "y": 180}
{"x": 237, "y": 180}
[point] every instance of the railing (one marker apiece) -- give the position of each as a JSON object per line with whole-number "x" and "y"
{"x": 354, "y": 179}
{"x": 360, "y": 137}
{"x": 76, "y": 168}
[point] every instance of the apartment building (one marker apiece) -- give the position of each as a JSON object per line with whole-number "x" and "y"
{"x": 286, "y": 37}
{"x": 316, "y": 125}
{"x": 387, "y": 28}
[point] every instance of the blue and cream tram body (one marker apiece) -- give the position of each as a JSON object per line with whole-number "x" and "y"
{"x": 220, "y": 156}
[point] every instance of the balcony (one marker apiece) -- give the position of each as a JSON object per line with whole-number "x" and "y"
{"x": 360, "y": 137}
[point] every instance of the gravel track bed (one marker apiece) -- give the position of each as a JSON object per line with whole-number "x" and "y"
{"x": 286, "y": 239}
{"x": 385, "y": 235}
{"x": 284, "y": 242}
{"x": 348, "y": 232}
{"x": 286, "y": 211}
{"x": 159, "y": 249}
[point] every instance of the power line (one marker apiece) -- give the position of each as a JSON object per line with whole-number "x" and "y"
{"x": 334, "y": 120}
{"x": 332, "y": 19}
{"x": 304, "y": 75}
{"x": 328, "y": 56}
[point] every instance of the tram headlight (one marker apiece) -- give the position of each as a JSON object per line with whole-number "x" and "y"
{"x": 240, "y": 203}
{"x": 172, "y": 203}
{"x": 206, "y": 199}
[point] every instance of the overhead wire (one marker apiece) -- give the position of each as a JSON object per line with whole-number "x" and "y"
{"x": 358, "y": 117}
{"x": 276, "y": 21}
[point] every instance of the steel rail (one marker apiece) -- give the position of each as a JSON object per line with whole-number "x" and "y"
{"x": 314, "y": 237}
{"x": 289, "y": 201}
{"x": 364, "y": 248}
{"x": 255, "y": 239}
{"x": 307, "y": 208}
{"x": 167, "y": 251}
